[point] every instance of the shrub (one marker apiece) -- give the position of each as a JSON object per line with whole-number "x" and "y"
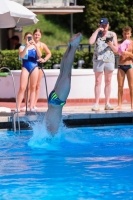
{"x": 9, "y": 58}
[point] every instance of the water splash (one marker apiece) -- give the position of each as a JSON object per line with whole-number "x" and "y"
{"x": 43, "y": 139}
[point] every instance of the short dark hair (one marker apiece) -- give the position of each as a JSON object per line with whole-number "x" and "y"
{"x": 27, "y": 34}
{"x": 15, "y": 37}
{"x": 127, "y": 29}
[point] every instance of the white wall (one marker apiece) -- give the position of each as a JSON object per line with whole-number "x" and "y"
{"x": 82, "y": 85}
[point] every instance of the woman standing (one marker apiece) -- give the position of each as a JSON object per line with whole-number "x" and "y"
{"x": 29, "y": 53}
{"x": 37, "y": 34}
{"x": 103, "y": 60}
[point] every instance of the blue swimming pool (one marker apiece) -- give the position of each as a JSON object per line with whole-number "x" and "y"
{"x": 78, "y": 164}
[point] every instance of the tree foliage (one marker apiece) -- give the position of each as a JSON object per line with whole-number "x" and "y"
{"x": 119, "y": 13}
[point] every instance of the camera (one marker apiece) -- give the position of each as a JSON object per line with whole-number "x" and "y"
{"x": 29, "y": 38}
{"x": 108, "y": 39}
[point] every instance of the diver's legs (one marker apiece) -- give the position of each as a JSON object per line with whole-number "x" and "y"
{"x": 72, "y": 43}
{"x": 62, "y": 87}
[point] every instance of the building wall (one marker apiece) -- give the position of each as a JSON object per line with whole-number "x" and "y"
{"x": 43, "y": 2}
{"x": 19, "y": 1}
{"x": 82, "y": 85}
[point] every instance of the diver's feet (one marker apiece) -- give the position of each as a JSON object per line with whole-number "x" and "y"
{"x": 75, "y": 40}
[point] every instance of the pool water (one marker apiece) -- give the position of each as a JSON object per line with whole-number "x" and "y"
{"x": 78, "y": 164}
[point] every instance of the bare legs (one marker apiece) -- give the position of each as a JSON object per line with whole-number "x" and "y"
{"x": 121, "y": 78}
{"x": 38, "y": 86}
{"x": 98, "y": 81}
{"x": 62, "y": 86}
{"x": 107, "y": 89}
{"x": 40, "y": 75}
{"x": 23, "y": 85}
{"x": 33, "y": 83}
{"x": 130, "y": 83}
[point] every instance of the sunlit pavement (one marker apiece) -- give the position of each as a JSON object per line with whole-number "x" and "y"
{"x": 71, "y": 107}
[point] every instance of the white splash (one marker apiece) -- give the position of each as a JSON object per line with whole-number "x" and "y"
{"x": 43, "y": 139}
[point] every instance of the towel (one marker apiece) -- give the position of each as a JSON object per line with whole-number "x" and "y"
{"x": 123, "y": 46}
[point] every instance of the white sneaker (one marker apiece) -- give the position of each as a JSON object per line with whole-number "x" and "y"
{"x": 95, "y": 107}
{"x": 108, "y": 107}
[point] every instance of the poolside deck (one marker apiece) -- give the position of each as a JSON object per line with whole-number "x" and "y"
{"x": 75, "y": 114}
{"x": 76, "y": 106}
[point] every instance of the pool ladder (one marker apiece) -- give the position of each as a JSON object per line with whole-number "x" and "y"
{"x": 14, "y": 115}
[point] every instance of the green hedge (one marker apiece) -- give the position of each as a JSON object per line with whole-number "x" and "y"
{"x": 9, "y": 58}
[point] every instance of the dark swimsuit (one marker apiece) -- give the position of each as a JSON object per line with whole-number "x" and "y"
{"x": 54, "y": 99}
{"x": 31, "y": 62}
{"x": 125, "y": 68}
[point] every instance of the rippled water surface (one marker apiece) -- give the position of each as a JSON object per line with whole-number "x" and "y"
{"x": 77, "y": 164}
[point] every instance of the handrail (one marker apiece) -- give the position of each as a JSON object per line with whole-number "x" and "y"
{"x": 80, "y": 47}
{"x": 15, "y": 98}
{"x": 45, "y": 84}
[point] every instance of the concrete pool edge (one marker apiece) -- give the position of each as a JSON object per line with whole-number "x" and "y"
{"x": 103, "y": 118}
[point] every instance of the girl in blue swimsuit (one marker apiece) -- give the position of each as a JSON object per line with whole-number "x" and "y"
{"x": 28, "y": 53}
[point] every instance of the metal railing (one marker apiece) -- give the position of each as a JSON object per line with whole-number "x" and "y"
{"x": 81, "y": 47}
{"x": 15, "y": 113}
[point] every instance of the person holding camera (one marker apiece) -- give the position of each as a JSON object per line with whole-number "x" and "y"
{"x": 37, "y": 34}
{"x": 125, "y": 66}
{"x": 28, "y": 53}
{"x": 103, "y": 60}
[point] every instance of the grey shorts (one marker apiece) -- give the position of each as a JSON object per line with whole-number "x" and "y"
{"x": 100, "y": 66}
